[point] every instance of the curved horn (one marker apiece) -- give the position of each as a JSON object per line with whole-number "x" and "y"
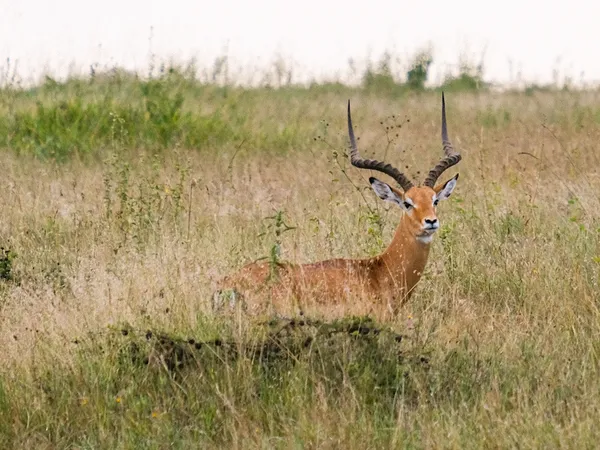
{"x": 357, "y": 161}
{"x": 451, "y": 157}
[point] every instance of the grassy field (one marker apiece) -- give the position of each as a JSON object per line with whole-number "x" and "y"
{"x": 125, "y": 200}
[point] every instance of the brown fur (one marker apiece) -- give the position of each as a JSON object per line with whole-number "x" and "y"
{"x": 377, "y": 286}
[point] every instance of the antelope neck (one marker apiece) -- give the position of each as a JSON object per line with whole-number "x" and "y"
{"x": 406, "y": 256}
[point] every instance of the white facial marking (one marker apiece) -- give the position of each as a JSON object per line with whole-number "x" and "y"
{"x": 425, "y": 239}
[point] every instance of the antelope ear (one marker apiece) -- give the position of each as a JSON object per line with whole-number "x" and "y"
{"x": 444, "y": 190}
{"x": 385, "y": 192}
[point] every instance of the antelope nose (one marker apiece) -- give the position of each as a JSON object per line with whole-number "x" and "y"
{"x": 432, "y": 223}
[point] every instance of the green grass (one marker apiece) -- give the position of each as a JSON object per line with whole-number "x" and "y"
{"x": 125, "y": 200}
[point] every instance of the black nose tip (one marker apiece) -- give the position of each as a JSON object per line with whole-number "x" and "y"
{"x": 430, "y": 221}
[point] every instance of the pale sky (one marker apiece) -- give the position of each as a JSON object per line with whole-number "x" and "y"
{"x": 317, "y": 37}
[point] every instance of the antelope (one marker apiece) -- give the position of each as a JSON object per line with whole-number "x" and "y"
{"x": 376, "y": 286}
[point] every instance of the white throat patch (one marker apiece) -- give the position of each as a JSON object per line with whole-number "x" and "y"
{"x": 425, "y": 239}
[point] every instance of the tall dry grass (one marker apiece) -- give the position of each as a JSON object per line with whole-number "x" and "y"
{"x": 501, "y": 336}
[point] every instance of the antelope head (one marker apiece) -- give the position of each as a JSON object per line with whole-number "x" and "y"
{"x": 419, "y": 202}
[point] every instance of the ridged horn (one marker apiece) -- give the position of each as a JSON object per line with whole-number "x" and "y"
{"x": 451, "y": 156}
{"x": 357, "y": 161}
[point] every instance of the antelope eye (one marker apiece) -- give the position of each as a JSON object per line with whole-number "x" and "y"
{"x": 436, "y": 201}
{"x": 407, "y": 205}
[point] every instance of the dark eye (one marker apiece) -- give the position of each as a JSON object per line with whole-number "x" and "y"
{"x": 407, "y": 205}
{"x": 435, "y": 202}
